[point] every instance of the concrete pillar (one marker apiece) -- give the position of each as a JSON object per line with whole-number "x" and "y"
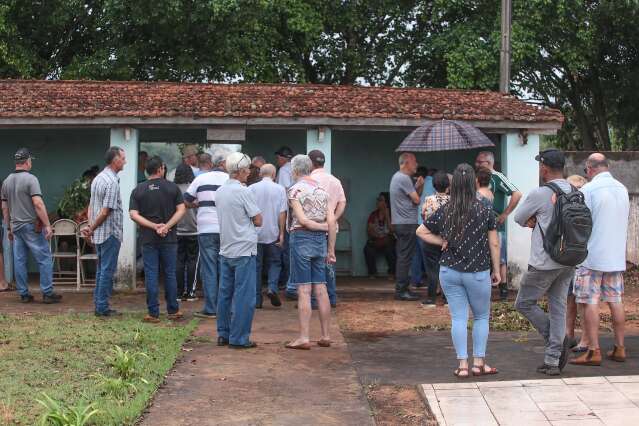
{"x": 320, "y": 139}
{"x": 519, "y": 165}
{"x": 127, "y": 139}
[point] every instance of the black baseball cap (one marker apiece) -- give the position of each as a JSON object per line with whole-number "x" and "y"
{"x": 285, "y": 151}
{"x": 553, "y": 158}
{"x": 23, "y": 154}
{"x": 317, "y": 157}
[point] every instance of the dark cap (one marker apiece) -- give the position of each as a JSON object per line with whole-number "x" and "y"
{"x": 285, "y": 151}
{"x": 23, "y": 154}
{"x": 317, "y": 157}
{"x": 552, "y": 158}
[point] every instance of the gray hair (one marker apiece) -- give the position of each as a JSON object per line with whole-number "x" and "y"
{"x": 204, "y": 158}
{"x": 258, "y": 158}
{"x": 267, "y": 170}
{"x": 301, "y": 165}
{"x": 403, "y": 158}
{"x": 237, "y": 161}
{"x": 218, "y": 158}
{"x": 490, "y": 157}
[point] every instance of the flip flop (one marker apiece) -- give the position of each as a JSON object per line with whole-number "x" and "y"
{"x": 458, "y": 371}
{"x": 324, "y": 343}
{"x": 301, "y": 346}
{"x": 483, "y": 371}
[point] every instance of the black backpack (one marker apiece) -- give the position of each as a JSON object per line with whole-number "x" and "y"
{"x": 566, "y": 239}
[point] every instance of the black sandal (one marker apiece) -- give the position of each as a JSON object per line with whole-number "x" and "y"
{"x": 483, "y": 371}
{"x": 458, "y": 372}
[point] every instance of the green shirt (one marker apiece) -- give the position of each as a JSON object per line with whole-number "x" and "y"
{"x": 501, "y": 188}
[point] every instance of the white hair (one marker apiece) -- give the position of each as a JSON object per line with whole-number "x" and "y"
{"x": 267, "y": 170}
{"x": 237, "y": 161}
{"x": 403, "y": 158}
{"x": 218, "y": 158}
{"x": 301, "y": 165}
{"x": 490, "y": 157}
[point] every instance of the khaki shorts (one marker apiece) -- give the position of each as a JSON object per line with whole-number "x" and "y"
{"x": 592, "y": 287}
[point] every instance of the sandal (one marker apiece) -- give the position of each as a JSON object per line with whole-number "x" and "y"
{"x": 301, "y": 346}
{"x": 324, "y": 343}
{"x": 483, "y": 371}
{"x": 460, "y": 370}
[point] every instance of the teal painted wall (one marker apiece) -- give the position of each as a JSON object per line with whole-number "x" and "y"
{"x": 365, "y": 163}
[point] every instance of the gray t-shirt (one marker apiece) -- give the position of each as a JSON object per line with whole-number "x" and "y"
{"x": 539, "y": 204}
{"x": 17, "y": 190}
{"x": 188, "y": 225}
{"x": 235, "y": 207}
{"x": 403, "y": 210}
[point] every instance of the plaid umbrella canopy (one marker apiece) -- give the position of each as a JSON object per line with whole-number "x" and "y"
{"x": 444, "y": 135}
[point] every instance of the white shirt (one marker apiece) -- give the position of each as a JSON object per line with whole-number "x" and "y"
{"x": 271, "y": 199}
{"x": 285, "y": 176}
{"x": 609, "y": 204}
{"x": 203, "y": 190}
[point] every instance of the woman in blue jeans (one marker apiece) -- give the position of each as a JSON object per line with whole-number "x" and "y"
{"x": 467, "y": 233}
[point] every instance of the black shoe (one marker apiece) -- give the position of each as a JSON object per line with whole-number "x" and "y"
{"x": 563, "y": 359}
{"x": 26, "y": 298}
{"x": 249, "y": 345}
{"x": 503, "y": 292}
{"x": 333, "y": 305}
{"x": 406, "y": 296}
{"x": 202, "y": 314}
{"x": 275, "y": 299}
{"x": 221, "y": 341}
{"x": 290, "y": 296}
{"x": 51, "y": 298}
{"x": 549, "y": 370}
{"x": 573, "y": 342}
{"x": 108, "y": 313}
{"x": 258, "y": 305}
{"x": 429, "y": 302}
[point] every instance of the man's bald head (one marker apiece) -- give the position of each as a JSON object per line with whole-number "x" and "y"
{"x": 268, "y": 170}
{"x": 597, "y": 161}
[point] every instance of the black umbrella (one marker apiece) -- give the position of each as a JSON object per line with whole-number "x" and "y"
{"x": 444, "y": 135}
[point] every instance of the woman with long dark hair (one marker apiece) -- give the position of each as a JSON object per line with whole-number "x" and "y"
{"x": 467, "y": 233}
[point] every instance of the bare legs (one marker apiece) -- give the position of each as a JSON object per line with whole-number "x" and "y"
{"x": 592, "y": 323}
{"x": 3, "y": 283}
{"x": 572, "y": 310}
{"x": 305, "y": 312}
{"x": 618, "y": 322}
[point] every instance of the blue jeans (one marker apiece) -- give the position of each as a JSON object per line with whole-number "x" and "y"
{"x": 107, "y": 262}
{"x": 209, "y": 269}
{"x": 417, "y": 266}
{"x": 270, "y": 254}
{"x": 463, "y": 289}
{"x": 154, "y": 255}
{"x": 27, "y": 239}
{"x": 237, "y": 295}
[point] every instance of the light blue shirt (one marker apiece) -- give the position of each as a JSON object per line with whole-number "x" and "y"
{"x": 285, "y": 176}
{"x": 428, "y": 190}
{"x": 272, "y": 201}
{"x": 609, "y": 204}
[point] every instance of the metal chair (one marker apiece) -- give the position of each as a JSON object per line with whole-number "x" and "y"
{"x": 344, "y": 248}
{"x": 65, "y": 230}
{"x": 87, "y": 254}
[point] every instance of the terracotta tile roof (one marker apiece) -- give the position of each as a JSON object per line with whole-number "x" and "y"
{"x": 93, "y": 99}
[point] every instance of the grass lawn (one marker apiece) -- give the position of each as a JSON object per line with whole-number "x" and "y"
{"x": 62, "y": 354}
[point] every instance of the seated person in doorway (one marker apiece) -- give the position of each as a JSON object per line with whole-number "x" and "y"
{"x": 380, "y": 237}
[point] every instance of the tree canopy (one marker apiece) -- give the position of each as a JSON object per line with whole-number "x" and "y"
{"x": 581, "y": 56}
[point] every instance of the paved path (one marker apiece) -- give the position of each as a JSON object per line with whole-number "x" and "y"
{"x": 582, "y": 401}
{"x": 213, "y": 385}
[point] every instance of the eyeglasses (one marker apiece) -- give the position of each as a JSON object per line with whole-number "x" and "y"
{"x": 586, "y": 170}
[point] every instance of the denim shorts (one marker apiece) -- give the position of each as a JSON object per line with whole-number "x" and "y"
{"x": 308, "y": 257}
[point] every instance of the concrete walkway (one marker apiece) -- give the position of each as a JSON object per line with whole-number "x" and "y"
{"x": 213, "y": 385}
{"x": 579, "y": 401}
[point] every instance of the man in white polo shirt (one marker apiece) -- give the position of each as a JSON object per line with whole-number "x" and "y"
{"x": 201, "y": 194}
{"x": 600, "y": 277}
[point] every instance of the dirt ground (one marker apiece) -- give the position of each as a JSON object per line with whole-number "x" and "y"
{"x": 394, "y": 405}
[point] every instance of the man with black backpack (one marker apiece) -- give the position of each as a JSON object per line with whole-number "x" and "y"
{"x": 554, "y": 211}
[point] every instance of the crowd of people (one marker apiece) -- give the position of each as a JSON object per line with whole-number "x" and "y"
{"x": 231, "y": 220}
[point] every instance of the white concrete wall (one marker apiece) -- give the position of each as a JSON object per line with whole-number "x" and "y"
{"x": 519, "y": 165}
{"x": 127, "y": 139}
{"x": 324, "y": 145}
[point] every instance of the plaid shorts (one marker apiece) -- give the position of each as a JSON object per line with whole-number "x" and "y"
{"x": 592, "y": 287}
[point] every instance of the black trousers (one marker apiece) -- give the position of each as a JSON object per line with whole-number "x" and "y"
{"x": 186, "y": 262}
{"x": 387, "y": 250}
{"x": 431, "y": 255}
{"x": 406, "y": 242}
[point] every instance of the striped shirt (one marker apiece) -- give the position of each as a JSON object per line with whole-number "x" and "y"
{"x": 203, "y": 190}
{"x": 105, "y": 193}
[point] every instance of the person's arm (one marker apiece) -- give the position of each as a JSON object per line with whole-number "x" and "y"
{"x": 332, "y": 236}
{"x": 419, "y": 186}
{"x": 41, "y": 211}
{"x": 339, "y": 210}
{"x": 99, "y": 220}
{"x": 142, "y": 221}
{"x": 515, "y": 197}
{"x": 281, "y": 223}
{"x": 427, "y": 236}
{"x": 7, "y": 219}
{"x": 307, "y": 223}
{"x": 528, "y": 209}
{"x": 180, "y": 210}
{"x": 493, "y": 244}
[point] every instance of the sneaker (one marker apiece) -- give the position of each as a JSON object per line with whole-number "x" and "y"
{"x": 275, "y": 298}
{"x": 183, "y": 298}
{"x": 429, "y": 303}
{"x": 549, "y": 370}
{"x": 503, "y": 292}
{"x": 27, "y": 298}
{"x": 191, "y": 298}
{"x": 221, "y": 341}
{"x": 175, "y": 316}
{"x": 406, "y": 296}
{"x": 563, "y": 358}
{"x": 51, "y": 298}
{"x": 151, "y": 319}
{"x": 108, "y": 313}
{"x": 202, "y": 314}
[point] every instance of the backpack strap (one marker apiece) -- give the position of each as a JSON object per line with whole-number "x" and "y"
{"x": 557, "y": 190}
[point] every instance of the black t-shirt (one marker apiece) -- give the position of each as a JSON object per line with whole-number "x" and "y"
{"x": 470, "y": 252}
{"x": 156, "y": 200}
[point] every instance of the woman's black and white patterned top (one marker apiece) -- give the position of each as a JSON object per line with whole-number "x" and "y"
{"x": 470, "y": 253}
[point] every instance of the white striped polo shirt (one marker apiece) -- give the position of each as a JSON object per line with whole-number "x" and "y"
{"x": 203, "y": 190}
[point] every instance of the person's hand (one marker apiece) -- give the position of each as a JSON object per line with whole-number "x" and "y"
{"x": 330, "y": 258}
{"x": 444, "y": 245}
{"x": 48, "y": 232}
{"x": 280, "y": 241}
{"x": 160, "y": 229}
{"x": 532, "y": 222}
{"x": 502, "y": 218}
{"x": 86, "y": 232}
{"x": 420, "y": 182}
{"x": 10, "y": 235}
{"x": 495, "y": 278}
